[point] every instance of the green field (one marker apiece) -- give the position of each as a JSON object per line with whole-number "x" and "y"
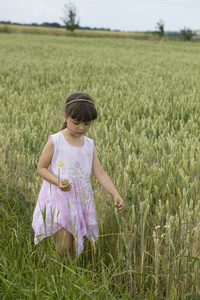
{"x": 148, "y": 138}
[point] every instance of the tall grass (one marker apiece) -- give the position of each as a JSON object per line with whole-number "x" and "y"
{"x": 147, "y": 136}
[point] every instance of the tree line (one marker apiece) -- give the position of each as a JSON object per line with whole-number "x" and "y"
{"x": 54, "y": 25}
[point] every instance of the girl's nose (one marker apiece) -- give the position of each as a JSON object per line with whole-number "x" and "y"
{"x": 81, "y": 126}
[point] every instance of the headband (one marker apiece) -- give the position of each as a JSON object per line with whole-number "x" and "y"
{"x": 80, "y": 100}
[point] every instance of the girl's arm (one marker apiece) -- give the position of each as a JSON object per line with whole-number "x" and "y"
{"x": 106, "y": 182}
{"x": 44, "y": 163}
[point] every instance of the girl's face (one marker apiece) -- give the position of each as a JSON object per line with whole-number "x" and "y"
{"x": 77, "y": 128}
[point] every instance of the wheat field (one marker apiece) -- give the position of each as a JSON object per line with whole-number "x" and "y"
{"x": 147, "y": 135}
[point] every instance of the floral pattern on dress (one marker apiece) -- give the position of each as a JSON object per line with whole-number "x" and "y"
{"x": 76, "y": 171}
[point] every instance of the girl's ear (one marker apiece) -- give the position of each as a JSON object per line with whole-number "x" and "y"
{"x": 64, "y": 115}
{"x": 65, "y": 122}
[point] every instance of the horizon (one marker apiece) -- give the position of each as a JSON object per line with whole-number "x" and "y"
{"x": 85, "y": 27}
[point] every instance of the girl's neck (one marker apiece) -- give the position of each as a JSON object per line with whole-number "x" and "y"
{"x": 77, "y": 141}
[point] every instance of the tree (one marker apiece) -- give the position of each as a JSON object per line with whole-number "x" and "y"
{"x": 70, "y": 18}
{"x": 160, "y": 26}
{"x": 187, "y": 34}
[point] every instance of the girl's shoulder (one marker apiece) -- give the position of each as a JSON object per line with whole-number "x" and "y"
{"x": 89, "y": 143}
{"x": 89, "y": 140}
{"x": 55, "y": 137}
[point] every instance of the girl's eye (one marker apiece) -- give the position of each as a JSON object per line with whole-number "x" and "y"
{"x": 77, "y": 123}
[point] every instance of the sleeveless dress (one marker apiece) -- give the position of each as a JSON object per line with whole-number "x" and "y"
{"x": 74, "y": 210}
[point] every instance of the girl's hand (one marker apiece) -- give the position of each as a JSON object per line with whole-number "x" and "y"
{"x": 64, "y": 185}
{"x": 118, "y": 201}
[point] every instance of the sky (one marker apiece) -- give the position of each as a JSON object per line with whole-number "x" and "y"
{"x": 124, "y": 15}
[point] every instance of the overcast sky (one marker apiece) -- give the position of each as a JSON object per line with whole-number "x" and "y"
{"x": 125, "y": 15}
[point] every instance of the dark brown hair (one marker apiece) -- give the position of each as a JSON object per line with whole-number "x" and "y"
{"x": 80, "y": 111}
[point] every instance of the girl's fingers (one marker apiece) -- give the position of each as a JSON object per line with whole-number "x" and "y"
{"x": 119, "y": 202}
{"x": 68, "y": 187}
{"x": 121, "y": 206}
{"x": 64, "y": 182}
{"x": 65, "y": 187}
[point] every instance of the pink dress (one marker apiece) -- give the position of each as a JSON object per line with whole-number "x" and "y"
{"x": 73, "y": 210}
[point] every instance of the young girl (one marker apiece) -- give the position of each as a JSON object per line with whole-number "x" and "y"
{"x": 65, "y": 205}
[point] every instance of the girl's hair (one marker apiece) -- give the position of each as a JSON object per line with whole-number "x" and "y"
{"x": 84, "y": 111}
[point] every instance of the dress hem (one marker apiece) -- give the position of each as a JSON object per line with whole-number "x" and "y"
{"x": 79, "y": 248}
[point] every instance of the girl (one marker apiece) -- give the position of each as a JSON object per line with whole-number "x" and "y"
{"x": 65, "y": 205}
